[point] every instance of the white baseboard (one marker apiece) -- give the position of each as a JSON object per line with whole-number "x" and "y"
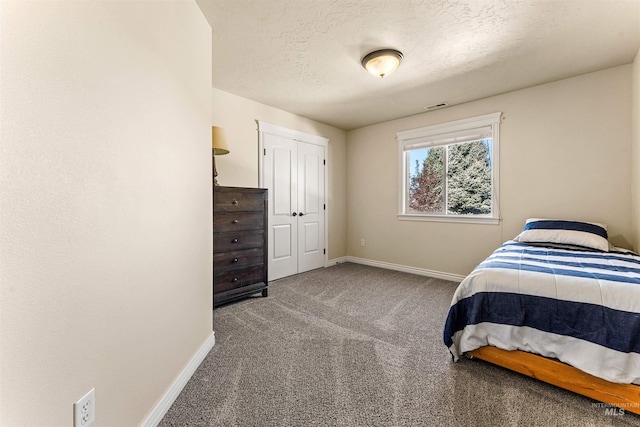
{"x": 158, "y": 412}
{"x": 336, "y": 261}
{"x": 403, "y": 268}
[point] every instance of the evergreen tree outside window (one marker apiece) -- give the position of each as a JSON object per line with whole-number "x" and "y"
{"x": 449, "y": 172}
{"x": 427, "y": 180}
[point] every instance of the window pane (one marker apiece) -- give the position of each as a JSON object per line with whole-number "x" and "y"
{"x": 426, "y": 180}
{"x": 469, "y": 178}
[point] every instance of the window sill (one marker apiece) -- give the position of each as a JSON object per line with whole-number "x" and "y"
{"x": 449, "y": 218}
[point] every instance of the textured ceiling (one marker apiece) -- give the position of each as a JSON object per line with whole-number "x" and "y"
{"x": 303, "y": 56}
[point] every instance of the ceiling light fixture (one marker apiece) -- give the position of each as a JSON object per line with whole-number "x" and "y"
{"x": 382, "y": 62}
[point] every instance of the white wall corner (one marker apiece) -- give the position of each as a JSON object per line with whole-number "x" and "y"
{"x": 156, "y": 414}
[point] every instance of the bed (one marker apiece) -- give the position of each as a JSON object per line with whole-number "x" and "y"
{"x": 557, "y": 303}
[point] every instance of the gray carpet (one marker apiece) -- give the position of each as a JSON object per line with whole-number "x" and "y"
{"x": 353, "y": 345}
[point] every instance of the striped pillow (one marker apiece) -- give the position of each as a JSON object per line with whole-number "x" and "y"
{"x": 586, "y": 234}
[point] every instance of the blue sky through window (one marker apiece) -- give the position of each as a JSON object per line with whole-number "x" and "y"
{"x": 419, "y": 155}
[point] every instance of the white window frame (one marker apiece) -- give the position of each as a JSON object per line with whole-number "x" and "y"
{"x": 442, "y": 135}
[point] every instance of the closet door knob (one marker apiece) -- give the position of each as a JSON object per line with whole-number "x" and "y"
{"x": 235, "y": 221}
{"x": 234, "y": 241}
{"x": 235, "y": 260}
{"x": 235, "y": 202}
{"x": 235, "y": 279}
{"x": 294, "y": 214}
{"x": 301, "y": 214}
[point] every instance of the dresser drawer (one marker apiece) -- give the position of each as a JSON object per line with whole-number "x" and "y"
{"x": 233, "y": 201}
{"x": 235, "y": 241}
{"x": 227, "y": 261}
{"x": 236, "y": 221}
{"x": 237, "y": 278}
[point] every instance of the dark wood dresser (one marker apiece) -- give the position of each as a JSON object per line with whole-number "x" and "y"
{"x": 239, "y": 243}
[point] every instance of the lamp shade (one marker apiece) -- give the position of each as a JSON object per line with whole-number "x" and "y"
{"x": 218, "y": 141}
{"x": 382, "y": 62}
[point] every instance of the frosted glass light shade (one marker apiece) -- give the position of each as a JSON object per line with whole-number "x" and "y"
{"x": 218, "y": 141}
{"x": 382, "y": 62}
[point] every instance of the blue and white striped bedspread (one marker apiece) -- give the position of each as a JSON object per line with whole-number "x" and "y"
{"x": 582, "y": 308}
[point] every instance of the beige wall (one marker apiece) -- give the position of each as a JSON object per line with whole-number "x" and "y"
{"x": 564, "y": 153}
{"x": 635, "y": 158}
{"x": 237, "y": 116}
{"x": 105, "y": 226}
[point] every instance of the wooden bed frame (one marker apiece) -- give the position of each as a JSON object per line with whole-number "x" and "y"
{"x": 625, "y": 396}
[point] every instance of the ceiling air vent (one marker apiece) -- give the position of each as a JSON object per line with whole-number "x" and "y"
{"x": 436, "y": 106}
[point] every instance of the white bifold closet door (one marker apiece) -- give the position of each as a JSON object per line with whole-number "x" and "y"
{"x": 294, "y": 172}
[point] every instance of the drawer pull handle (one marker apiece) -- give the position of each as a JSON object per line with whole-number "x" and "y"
{"x": 235, "y": 202}
{"x": 235, "y": 221}
{"x": 235, "y": 260}
{"x": 234, "y": 241}
{"x": 235, "y": 279}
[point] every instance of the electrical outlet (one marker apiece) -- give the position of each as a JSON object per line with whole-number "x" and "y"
{"x": 84, "y": 410}
{"x": 362, "y": 242}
